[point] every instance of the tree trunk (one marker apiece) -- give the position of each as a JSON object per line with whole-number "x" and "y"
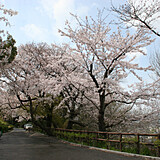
{"x": 70, "y": 124}
{"x": 71, "y": 118}
{"x": 101, "y": 123}
{"x": 31, "y": 110}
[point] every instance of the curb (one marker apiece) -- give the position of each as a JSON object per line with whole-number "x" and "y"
{"x": 111, "y": 151}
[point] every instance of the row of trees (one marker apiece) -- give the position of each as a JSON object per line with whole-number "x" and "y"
{"x": 81, "y": 83}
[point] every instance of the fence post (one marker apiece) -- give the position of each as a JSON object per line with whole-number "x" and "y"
{"x": 54, "y": 132}
{"x": 63, "y": 135}
{"x": 138, "y": 144}
{"x": 108, "y": 143}
{"x": 97, "y": 136}
{"x": 88, "y": 140}
{"x": 80, "y": 138}
{"x": 120, "y": 141}
{"x": 158, "y": 147}
{"x": 59, "y": 133}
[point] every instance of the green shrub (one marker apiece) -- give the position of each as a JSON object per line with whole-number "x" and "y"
{"x": 5, "y": 126}
{"x": 145, "y": 151}
{"x": 132, "y": 140}
{"x": 130, "y": 150}
{"x": 157, "y": 143}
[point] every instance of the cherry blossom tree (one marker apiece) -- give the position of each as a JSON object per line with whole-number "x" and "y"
{"x": 38, "y": 76}
{"x": 142, "y": 14}
{"x": 60, "y": 77}
{"x": 73, "y": 99}
{"x": 22, "y": 81}
{"x": 105, "y": 57}
{"x": 7, "y": 50}
{"x": 10, "y": 108}
{"x": 85, "y": 76}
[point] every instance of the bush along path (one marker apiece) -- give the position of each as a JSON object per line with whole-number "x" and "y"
{"x": 4, "y": 127}
{"x": 1, "y": 132}
{"x": 144, "y": 144}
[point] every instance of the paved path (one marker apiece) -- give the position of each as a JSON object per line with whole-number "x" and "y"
{"x": 20, "y": 145}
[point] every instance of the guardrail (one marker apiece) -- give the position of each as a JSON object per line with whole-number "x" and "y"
{"x": 120, "y": 141}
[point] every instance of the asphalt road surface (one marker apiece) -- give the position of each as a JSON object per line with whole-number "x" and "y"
{"x": 20, "y": 145}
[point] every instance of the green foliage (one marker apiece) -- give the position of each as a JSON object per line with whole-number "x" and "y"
{"x": 82, "y": 138}
{"x": 145, "y": 151}
{"x": 132, "y": 140}
{"x": 46, "y": 113}
{"x": 5, "y": 126}
{"x": 59, "y": 120}
{"x": 157, "y": 143}
{"x": 101, "y": 144}
{"x": 129, "y": 149}
{"x": 9, "y": 43}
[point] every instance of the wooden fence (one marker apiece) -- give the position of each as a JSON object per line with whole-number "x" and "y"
{"x": 122, "y": 139}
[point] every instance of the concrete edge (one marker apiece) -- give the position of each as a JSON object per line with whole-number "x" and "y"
{"x": 112, "y": 151}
